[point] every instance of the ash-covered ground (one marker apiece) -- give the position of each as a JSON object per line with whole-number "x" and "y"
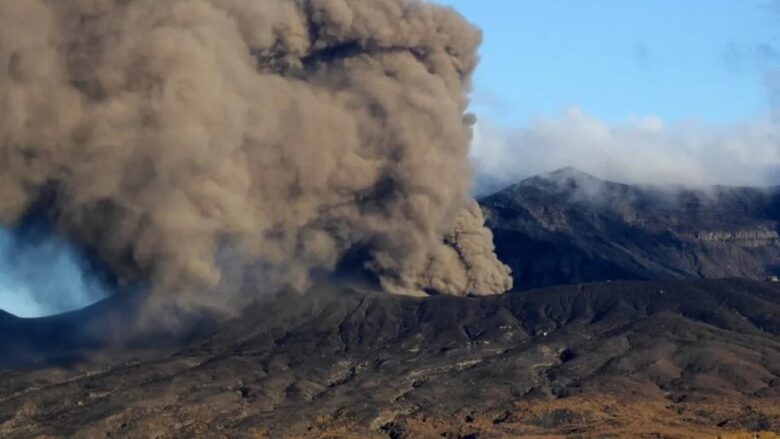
{"x": 622, "y": 359}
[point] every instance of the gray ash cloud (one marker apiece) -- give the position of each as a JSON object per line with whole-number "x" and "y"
{"x": 191, "y": 142}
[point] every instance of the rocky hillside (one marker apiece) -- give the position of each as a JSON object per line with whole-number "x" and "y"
{"x": 643, "y": 359}
{"x": 676, "y": 357}
{"x": 569, "y": 227}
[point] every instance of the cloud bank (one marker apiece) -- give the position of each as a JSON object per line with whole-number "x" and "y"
{"x": 641, "y": 151}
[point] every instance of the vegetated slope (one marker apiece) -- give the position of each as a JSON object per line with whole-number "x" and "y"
{"x": 677, "y": 359}
{"x": 568, "y": 227}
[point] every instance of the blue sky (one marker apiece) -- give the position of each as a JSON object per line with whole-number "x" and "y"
{"x": 620, "y": 59}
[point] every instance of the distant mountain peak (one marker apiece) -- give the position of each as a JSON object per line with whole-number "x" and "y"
{"x": 568, "y": 226}
{"x": 571, "y": 176}
{"x": 568, "y": 180}
{"x": 570, "y": 171}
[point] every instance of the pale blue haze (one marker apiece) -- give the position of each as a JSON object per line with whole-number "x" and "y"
{"x": 42, "y": 274}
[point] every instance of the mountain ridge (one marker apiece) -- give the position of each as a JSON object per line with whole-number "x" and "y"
{"x": 568, "y": 226}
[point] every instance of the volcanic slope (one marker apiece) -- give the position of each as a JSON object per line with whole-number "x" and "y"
{"x": 567, "y": 227}
{"x": 622, "y": 359}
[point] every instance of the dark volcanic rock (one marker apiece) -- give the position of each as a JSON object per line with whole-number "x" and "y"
{"x": 568, "y": 227}
{"x": 690, "y": 356}
{"x": 111, "y": 327}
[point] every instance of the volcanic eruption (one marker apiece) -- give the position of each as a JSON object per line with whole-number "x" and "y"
{"x": 214, "y": 148}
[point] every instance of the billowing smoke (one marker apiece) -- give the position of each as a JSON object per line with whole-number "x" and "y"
{"x": 199, "y": 145}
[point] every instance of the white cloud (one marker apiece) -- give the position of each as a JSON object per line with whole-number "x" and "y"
{"x": 637, "y": 151}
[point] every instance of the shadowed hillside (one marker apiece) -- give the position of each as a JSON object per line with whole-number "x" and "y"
{"x": 568, "y": 227}
{"x": 670, "y": 358}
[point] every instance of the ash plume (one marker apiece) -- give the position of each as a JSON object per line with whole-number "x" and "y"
{"x": 201, "y": 145}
